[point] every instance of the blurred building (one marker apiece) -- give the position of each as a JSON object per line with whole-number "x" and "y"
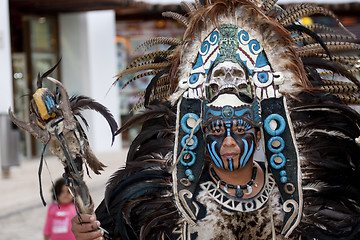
{"x": 95, "y": 40}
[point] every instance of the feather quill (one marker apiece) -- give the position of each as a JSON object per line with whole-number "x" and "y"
{"x": 178, "y": 17}
{"x": 336, "y": 68}
{"x": 153, "y": 111}
{"x": 79, "y": 103}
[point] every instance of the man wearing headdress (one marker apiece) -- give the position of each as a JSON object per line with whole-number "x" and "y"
{"x": 245, "y": 79}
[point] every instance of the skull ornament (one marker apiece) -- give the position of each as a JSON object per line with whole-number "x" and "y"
{"x": 227, "y": 75}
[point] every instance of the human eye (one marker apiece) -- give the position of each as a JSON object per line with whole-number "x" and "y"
{"x": 240, "y": 129}
{"x": 216, "y": 128}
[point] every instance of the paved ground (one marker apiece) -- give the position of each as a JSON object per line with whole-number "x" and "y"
{"x": 22, "y": 215}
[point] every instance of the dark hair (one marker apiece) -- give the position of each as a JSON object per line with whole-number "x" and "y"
{"x": 58, "y": 188}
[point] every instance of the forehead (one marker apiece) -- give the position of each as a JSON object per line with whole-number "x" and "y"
{"x": 229, "y": 106}
{"x": 228, "y": 123}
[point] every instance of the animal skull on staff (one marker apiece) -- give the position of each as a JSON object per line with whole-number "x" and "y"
{"x": 52, "y": 121}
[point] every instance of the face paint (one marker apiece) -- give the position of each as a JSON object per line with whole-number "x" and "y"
{"x": 230, "y": 135}
{"x": 230, "y": 143}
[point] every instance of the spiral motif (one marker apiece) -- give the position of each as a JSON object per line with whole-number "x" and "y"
{"x": 287, "y": 228}
{"x": 254, "y": 46}
{"x": 214, "y": 37}
{"x": 243, "y": 37}
{"x": 205, "y": 48}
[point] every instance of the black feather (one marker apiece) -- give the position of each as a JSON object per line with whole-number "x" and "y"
{"x": 313, "y": 76}
{"x": 150, "y": 112}
{"x": 326, "y": 132}
{"x": 152, "y": 85}
{"x": 167, "y": 146}
{"x": 113, "y": 190}
{"x": 312, "y": 34}
{"x": 332, "y": 66}
{"x": 79, "y": 103}
{"x": 129, "y": 193}
{"x": 144, "y": 137}
{"x": 47, "y": 73}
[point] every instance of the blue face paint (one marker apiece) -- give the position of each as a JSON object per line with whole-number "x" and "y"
{"x": 231, "y": 164}
{"x": 228, "y": 117}
{"x": 218, "y": 130}
{"x": 246, "y": 154}
{"x": 214, "y": 155}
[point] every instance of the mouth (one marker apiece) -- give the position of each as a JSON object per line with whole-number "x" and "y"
{"x": 230, "y": 155}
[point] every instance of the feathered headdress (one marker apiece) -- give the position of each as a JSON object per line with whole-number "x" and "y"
{"x": 292, "y": 70}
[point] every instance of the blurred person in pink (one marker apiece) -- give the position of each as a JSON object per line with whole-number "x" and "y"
{"x": 59, "y": 215}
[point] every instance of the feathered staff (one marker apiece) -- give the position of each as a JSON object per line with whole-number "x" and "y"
{"x": 53, "y": 123}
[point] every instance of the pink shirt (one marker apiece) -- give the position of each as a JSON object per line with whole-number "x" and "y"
{"x": 58, "y": 222}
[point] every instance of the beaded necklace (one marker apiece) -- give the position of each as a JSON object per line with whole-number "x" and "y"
{"x": 238, "y": 188}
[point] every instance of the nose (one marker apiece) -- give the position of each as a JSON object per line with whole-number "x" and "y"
{"x": 229, "y": 141}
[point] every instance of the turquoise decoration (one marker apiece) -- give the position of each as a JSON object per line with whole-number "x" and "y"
{"x": 237, "y": 113}
{"x": 272, "y": 161}
{"x": 254, "y": 46}
{"x": 192, "y": 161}
{"x": 194, "y": 78}
{"x": 187, "y": 146}
{"x": 279, "y": 119}
{"x": 261, "y": 60}
{"x": 227, "y": 112}
{"x": 263, "y": 77}
{"x": 243, "y": 37}
{"x": 207, "y": 52}
{"x": 204, "y": 49}
{"x": 284, "y": 165}
{"x": 255, "y": 109}
{"x": 228, "y": 43}
{"x": 275, "y": 132}
{"x": 249, "y": 113}
{"x": 188, "y": 164}
{"x": 199, "y": 62}
{"x": 184, "y": 143}
{"x": 283, "y": 178}
{"x": 231, "y": 43}
{"x": 214, "y": 38}
{"x": 280, "y": 148}
{"x": 50, "y": 104}
{"x": 189, "y": 175}
{"x": 184, "y": 125}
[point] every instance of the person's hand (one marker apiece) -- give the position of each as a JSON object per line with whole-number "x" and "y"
{"x": 88, "y": 229}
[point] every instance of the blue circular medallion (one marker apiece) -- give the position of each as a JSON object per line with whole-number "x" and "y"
{"x": 275, "y": 165}
{"x": 192, "y": 160}
{"x": 227, "y": 112}
{"x": 184, "y": 125}
{"x": 185, "y": 141}
{"x": 278, "y": 149}
{"x": 280, "y": 129}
